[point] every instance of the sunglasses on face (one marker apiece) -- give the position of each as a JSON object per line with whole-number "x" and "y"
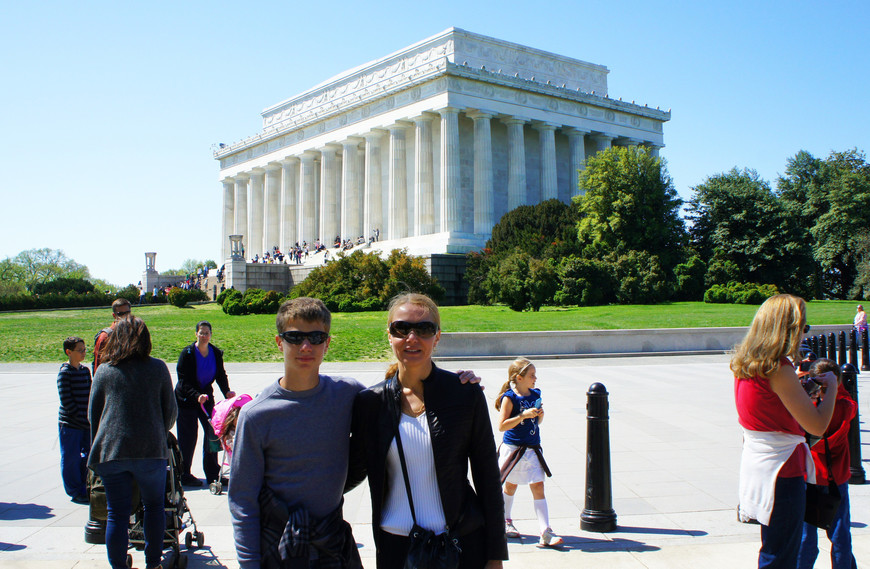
{"x": 314, "y": 338}
{"x": 122, "y": 313}
{"x": 402, "y": 329}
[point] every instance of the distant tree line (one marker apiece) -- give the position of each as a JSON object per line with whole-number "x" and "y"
{"x": 623, "y": 240}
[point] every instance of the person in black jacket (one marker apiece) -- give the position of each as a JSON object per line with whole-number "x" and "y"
{"x": 444, "y": 426}
{"x": 199, "y": 366}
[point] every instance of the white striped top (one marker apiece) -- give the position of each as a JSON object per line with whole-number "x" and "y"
{"x": 417, "y": 444}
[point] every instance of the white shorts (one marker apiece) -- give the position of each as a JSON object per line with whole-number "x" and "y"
{"x": 527, "y": 471}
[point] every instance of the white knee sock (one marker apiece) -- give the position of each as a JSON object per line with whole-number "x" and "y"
{"x": 508, "y": 504}
{"x": 543, "y": 514}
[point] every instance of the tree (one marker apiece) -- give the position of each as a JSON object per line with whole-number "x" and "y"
{"x": 832, "y": 199}
{"x": 630, "y": 204}
{"x": 745, "y": 233}
{"x": 11, "y": 278}
{"x": 545, "y": 230}
{"x": 43, "y": 265}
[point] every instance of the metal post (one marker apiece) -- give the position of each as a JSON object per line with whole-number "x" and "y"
{"x": 841, "y": 352}
{"x": 823, "y": 346}
{"x": 814, "y": 344}
{"x": 850, "y": 382}
{"x": 832, "y": 347}
{"x": 598, "y": 515}
{"x": 853, "y": 348}
{"x": 865, "y": 353}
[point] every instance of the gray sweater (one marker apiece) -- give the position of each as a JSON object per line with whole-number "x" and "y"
{"x": 131, "y": 410}
{"x": 297, "y": 444}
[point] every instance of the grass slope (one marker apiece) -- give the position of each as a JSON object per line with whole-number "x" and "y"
{"x": 361, "y": 336}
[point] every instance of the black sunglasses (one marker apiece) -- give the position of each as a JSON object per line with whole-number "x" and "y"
{"x": 402, "y": 329}
{"x": 314, "y": 338}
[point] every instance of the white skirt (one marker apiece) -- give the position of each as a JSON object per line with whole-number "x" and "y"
{"x": 527, "y": 471}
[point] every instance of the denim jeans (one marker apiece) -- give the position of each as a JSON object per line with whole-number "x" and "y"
{"x": 118, "y": 476}
{"x": 840, "y": 535}
{"x": 781, "y": 539}
{"x": 75, "y": 444}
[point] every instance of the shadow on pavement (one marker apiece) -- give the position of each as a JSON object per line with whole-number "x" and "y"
{"x": 14, "y": 511}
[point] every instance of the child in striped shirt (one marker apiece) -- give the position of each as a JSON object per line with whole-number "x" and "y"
{"x": 74, "y": 389}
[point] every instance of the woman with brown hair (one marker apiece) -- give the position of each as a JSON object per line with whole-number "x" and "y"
{"x": 131, "y": 409}
{"x": 775, "y": 411}
{"x": 415, "y": 434}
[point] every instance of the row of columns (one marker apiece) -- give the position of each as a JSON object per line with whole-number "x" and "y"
{"x": 348, "y": 201}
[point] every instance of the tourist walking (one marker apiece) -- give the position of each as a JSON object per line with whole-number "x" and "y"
{"x": 415, "y": 434}
{"x": 131, "y": 410}
{"x": 521, "y": 460}
{"x": 774, "y": 410}
{"x": 200, "y": 365}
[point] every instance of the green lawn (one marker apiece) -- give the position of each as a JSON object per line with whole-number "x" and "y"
{"x": 37, "y": 336}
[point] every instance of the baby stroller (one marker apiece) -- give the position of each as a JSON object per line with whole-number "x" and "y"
{"x": 223, "y": 421}
{"x": 178, "y": 516}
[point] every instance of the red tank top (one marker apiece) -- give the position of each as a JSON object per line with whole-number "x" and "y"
{"x": 760, "y": 409}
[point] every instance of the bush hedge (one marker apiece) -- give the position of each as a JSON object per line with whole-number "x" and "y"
{"x": 180, "y": 297}
{"x": 740, "y": 293}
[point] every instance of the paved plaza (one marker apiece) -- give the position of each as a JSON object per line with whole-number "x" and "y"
{"x": 675, "y": 449}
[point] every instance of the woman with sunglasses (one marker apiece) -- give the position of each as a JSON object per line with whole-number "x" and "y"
{"x": 444, "y": 425}
{"x": 775, "y": 411}
{"x": 200, "y": 365}
{"x": 131, "y": 410}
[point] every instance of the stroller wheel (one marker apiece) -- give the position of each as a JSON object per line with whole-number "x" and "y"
{"x": 216, "y": 488}
{"x": 200, "y": 539}
{"x": 188, "y": 540}
{"x": 129, "y": 560}
{"x": 181, "y": 561}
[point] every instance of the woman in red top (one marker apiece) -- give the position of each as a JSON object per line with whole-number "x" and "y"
{"x": 774, "y": 411}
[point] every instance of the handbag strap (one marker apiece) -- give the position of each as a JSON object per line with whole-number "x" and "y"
{"x": 828, "y": 462}
{"x": 402, "y": 461}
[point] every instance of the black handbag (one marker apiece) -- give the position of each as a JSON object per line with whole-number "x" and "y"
{"x": 426, "y": 549}
{"x": 823, "y": 503}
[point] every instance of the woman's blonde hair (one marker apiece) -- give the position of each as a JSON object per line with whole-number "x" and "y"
{"x": 775, "y": 333}
{"x": 518, "y": 367}
{"x": 416, "y": 299}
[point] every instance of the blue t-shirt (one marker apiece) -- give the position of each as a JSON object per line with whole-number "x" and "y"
{"x": 206, "y": 367}
{"x": 527, "y": 432}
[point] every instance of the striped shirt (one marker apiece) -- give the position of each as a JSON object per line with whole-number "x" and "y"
{"x": 74, "y": 389}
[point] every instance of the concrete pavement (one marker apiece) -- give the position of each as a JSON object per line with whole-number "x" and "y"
{"x": 675, "y": 448}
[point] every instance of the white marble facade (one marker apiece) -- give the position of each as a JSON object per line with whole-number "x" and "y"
{"x": 430, "y": 145}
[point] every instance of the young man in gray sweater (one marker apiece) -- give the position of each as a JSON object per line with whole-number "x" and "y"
{"x": 290, "y": 453}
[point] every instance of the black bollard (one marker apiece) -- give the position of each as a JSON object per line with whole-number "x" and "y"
{"x": 853, "y": 348}
{"x": 814, "y": 344}
{"x": 841, "y": 352}
{"x": 822, "y": 352}
{"x": 832, "y": 347}
{"x": 865, "y": 353}
{"x": 598, "y": 515}
{"x": 850, "y": 382}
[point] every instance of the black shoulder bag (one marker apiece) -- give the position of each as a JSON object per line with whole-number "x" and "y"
{"x": 822, "y": 506}
{"x": 426, "y": 550}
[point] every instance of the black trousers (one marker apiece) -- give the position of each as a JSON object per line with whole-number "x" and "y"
{"x": 393, "y": 549}
{"x": 187, "y": 434}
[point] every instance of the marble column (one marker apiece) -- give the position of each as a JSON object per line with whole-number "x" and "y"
{"x": 351, "y": 204}
{"x": 227, "y": 220}
{"x": 272, "y": 217}
{"x": 397, "y": 206}
{"x": 577, "y": 150}
{"x": 329, "y": 206}
{"x": 309, "y": 227}
{"x": 517, "y": 192}
{"x": 653, "y": 148}
{"x": 424, "y": 189}
{"x": 289, "y": 200}
{"x": 602, "y": 142}
{"x": 549, "y": 178}
{"x": 256, "y": 213}
{"x": 373, "y": 218}
{"x": 240, "y": 218}
{"x": 483, "y": 186}
{"x": 450, "y": 180}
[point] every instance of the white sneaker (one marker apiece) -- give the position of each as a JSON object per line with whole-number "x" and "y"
{"x": 550, "y": 539}
{"x": 510, "y": 530}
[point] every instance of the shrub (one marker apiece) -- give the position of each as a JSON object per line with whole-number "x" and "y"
{"x": 584, "y": 282}
{"x": 180, "y": 297}
{"x": 63, "y": 285}
{"x": 740, "y": 293}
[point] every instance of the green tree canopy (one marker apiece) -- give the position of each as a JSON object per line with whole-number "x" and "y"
{"x": 41, "y": 266}
{"x": 630, "y": 204}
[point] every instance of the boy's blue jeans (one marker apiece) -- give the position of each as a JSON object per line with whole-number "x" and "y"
{"x": 118, "y": 476}
{"x": 75, "y": 444}
{"x": 840, "y": 535}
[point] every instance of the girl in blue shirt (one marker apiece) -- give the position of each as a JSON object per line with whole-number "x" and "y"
{"x": 521, "y": 460}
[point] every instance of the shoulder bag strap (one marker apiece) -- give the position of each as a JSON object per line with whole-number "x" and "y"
{"x": 404, "y": 468}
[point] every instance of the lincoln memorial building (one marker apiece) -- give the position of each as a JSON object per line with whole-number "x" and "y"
{"x": 429, "y": 146}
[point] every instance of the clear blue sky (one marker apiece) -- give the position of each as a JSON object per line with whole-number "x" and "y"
{"x": 109, "y": 110}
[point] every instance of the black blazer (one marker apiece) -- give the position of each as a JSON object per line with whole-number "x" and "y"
{"x": 187, "y": 390}
{"x": 461, "y": 432}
